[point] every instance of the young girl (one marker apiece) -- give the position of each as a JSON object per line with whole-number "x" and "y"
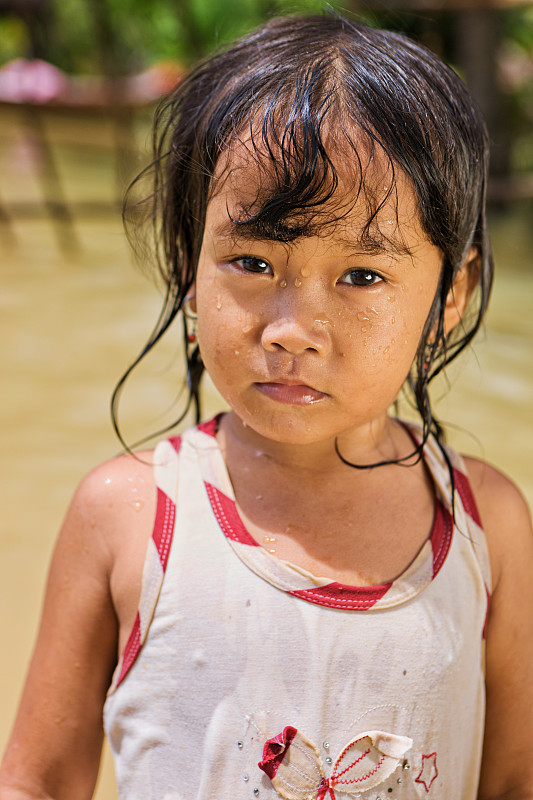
{"x": 330, "y": 602}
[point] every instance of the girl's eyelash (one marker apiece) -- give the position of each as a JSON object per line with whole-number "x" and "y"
{"x": 361, "y": 277}
{"x": 253, "y": 264}
{"x": 353, "y": 277}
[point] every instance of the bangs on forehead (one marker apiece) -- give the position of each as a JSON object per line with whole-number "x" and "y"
{"x": 293, "y": 173}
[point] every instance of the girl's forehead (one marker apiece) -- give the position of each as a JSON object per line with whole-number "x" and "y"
{"x": 372, "y": 200}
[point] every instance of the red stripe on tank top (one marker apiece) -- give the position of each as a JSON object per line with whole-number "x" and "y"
{"x": 164, "y": 526}
{"x": 227, "y": 516}
{"x": 175, "y": 442}
{"x": 131, "y": 651}
{"x": 210, "y": 427}
{"x": 338, "y": 595}
{"x": 462, "y": 484}
{"x": 441, "y": 536}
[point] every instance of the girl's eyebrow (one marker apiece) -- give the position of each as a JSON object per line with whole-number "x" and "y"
{"x": 239, "y": 236}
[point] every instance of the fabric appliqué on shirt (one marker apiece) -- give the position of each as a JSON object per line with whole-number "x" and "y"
{"x": 429, "y": 771}
{"x": 294, "y": 765}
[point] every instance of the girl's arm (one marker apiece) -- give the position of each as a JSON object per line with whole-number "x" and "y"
{"x": 54, "y": 751}
{"x": 507, "y": 768}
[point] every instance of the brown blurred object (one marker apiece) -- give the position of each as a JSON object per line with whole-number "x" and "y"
{"x": 477, "y": 38}
{"x": 37, "y": 92}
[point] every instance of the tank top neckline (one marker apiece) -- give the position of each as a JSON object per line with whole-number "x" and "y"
{"x": 295, "y": 580}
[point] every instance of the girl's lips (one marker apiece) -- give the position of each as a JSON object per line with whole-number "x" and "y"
{"x": 295, "y": 394}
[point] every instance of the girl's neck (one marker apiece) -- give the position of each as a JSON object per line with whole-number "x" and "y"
{"x": 382, "y": 440}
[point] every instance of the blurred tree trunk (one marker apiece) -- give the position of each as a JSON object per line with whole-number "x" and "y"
{"x": 478, "y": 41}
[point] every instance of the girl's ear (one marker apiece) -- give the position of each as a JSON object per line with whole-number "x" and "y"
{"x": 460, "y": 293}
{"x": 190, "y": 300}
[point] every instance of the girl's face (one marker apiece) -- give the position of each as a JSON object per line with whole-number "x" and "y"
{"x": 314, "y": 339}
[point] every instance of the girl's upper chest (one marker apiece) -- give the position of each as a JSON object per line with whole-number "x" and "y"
{"x": 363, "y": 530}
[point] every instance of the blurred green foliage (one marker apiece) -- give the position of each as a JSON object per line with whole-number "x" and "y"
{"x": 126, "y": 36}
{"x": 143, "y": 32}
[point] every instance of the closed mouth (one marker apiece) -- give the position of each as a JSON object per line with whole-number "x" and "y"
{"x": 290, "y": 393}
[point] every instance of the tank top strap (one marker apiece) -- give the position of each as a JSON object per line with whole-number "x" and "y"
{"x": 450, "y": 478}
{"x": 166, "y": 469}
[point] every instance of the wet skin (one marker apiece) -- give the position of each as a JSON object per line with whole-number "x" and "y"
{"x": 312, "y": 340}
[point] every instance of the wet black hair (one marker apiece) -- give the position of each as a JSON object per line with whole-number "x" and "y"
{"x": 301, "y": 91}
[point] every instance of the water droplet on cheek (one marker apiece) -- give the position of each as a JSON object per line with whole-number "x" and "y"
{"x": 362, "y": 317}
{"x": 297, "y": 282}
{"x": 270, "y": 541}
{"x": 247, "y": 329}
{"x": 364, "y": 328}
{"x": 219, "y": 304}
{"x": 137, "y": 505}
{"x": 304, "y": 272}
{"x": 283, "y": 284}
{"x": 236, "y": 352}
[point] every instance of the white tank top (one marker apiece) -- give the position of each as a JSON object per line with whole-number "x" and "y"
{"x": 247, "y": 677}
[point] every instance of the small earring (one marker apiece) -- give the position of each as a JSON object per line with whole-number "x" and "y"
{"x": 191, "y": 320}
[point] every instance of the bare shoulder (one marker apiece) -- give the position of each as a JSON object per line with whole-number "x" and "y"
{"x": 507, "y": 769}
{"x": 90, "y": 603}
{"x": 504, "y": 513}
{"x": 113, "y": 512}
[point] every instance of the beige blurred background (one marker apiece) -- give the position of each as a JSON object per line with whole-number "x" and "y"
{"x": 75, "y": 311}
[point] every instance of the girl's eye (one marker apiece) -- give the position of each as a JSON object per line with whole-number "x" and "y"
{"x": 252, "y": 264}
{"x": 360, "y": 277}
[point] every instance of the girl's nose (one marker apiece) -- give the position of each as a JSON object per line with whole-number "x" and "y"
{"x": 296, "y": 336}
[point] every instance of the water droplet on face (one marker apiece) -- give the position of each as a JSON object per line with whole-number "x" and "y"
{"x": 259, "y": 497}
{"x": 236, "y": 352}
{"x": 219, "y": 304}
{"x": 108, "y": 480}
{"x": 283, "y": 284}
{"x": 137, "y": 505}
{"x": 247, "y": 329}
{"x": 372, "y": 310}
{"x": 386, "y": 349}
{"x": 364, "y": 328}
{"x": 393, "y": 321}
{"x": 362, "y": 317}
{"x": 304, "y": 272}
{"x": 297, "y": 282}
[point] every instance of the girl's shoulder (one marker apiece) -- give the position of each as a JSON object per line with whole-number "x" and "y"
{"x": 506, "y": 519}
{"x": 504, "y": 512}
{"x": 117, "y": 487}
{"x": 112, "y": 513}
